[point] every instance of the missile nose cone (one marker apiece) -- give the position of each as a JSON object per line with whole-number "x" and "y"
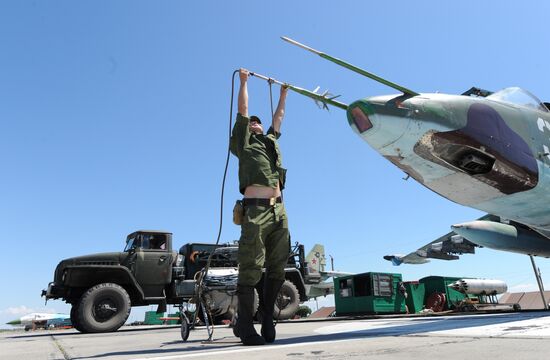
{"x": 455, "y": 285}
{"x": 472, "y": 226}
{"x": 473, "y": 230}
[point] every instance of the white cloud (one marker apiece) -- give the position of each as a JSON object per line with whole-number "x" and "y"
{"x": 23, "y": 310}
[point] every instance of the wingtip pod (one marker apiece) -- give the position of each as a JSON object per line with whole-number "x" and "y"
{"x": 352, "y": 67}
{"x": 395, "y": 259}
{"x": 413, "y": 259}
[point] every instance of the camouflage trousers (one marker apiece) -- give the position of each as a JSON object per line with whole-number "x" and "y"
{"x": 264, "y": 242}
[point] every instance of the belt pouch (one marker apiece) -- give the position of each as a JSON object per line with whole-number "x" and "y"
{"x": 238, "y": 212}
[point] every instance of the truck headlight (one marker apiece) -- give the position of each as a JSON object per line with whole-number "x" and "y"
{"x": 179, "y": 260}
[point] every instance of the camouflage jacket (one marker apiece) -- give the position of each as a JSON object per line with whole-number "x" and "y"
{"x": 260, "y": 161}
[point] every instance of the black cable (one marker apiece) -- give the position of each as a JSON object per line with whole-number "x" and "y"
{"x": 204, "y": 271}
{"x": 226, "y": 166}
{"x": 227, "y": 158}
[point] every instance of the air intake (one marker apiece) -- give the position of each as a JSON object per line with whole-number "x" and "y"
{"x": 474, "y": 164}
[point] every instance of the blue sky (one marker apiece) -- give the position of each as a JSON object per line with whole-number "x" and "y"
{"x": 114, "y": 117}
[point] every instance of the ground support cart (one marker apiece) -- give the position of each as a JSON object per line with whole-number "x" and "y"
{"x": 209, "y": 298}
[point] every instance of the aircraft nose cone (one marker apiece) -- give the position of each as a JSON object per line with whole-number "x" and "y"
{"x": 378, "y": 121}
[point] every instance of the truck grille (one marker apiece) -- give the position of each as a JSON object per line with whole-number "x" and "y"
{"x": 111, "y": 263}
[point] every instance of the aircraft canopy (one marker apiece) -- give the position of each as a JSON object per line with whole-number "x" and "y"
{"x": 518, "y": 96}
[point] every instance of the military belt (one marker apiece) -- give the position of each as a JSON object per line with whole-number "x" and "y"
{"x": 262, "y": 202}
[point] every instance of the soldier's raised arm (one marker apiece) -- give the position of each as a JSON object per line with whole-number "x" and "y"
{"x": 243, "y": 92}
{"x": 280, "y": 112}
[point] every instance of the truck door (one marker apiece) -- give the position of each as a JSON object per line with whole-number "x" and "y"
{"x": 153, "y": 264}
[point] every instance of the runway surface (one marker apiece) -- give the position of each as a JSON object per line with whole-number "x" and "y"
{"x": 524, "y": 335}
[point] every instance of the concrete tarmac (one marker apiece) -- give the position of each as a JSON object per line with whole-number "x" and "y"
{"x": 524, "y": 335}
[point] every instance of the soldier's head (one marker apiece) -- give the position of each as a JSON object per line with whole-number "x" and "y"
{"x": 255, "y": 125}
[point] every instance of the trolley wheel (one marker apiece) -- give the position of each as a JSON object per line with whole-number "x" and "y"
{"x": 468, "y": 308}
{"x": 436, "y": 301}
{"x": 185, "y": 327}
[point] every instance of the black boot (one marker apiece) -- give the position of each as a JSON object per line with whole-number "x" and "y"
{"x": 271, "y": 290}
{"x": 245, "y": 325}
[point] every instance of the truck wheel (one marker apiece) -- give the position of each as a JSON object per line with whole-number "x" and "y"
{"x": 74, "y": 318}
{"x": 103, "y": 308}
{"x": 287, "y": 302}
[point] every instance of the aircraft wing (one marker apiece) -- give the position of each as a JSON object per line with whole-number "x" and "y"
{"x": 328, "y": 274}
{"x": 324, "y": 288}
{"x": 437, "y": 249}
{"x": 321, "y": 289}
{"x": 446, "y": 247}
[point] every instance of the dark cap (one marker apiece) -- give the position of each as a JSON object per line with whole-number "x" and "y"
{"x": 255, "y": 118}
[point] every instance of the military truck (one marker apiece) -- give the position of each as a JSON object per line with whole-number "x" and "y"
{"x": 102, "y": 288}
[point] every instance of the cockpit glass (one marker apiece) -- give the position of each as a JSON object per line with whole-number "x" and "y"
{"x": 518, "y": 96}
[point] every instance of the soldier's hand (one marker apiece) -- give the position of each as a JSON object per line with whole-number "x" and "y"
{"x": 243, "y": 74}
{"x": 284, "y": 90}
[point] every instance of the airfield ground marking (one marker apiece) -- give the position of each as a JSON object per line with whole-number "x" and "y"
{"x": 245, "y": 349}
{"x": 436, "y": 333}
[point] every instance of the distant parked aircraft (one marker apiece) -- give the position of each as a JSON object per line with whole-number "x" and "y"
{"x": 44, "y": 320}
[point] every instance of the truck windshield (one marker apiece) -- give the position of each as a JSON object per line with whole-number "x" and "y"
{"x": 518, "y": 96}
{"x": 146, "y": 242}
{"x": 130, "y": 244}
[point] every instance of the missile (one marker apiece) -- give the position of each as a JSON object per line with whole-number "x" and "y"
{"x": 507, "y": 237}
{"x": 479, "y": 286}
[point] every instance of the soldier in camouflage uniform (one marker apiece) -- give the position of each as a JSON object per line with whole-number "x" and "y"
{"x": 264, "y": 231}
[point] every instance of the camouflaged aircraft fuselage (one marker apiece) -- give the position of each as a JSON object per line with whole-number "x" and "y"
{"x": 488, "y": 153}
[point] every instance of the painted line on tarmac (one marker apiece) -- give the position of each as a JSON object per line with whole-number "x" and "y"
{"x": 245, "y": 349}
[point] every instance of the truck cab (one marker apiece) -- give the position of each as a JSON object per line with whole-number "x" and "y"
{"x": 149, "y": 259}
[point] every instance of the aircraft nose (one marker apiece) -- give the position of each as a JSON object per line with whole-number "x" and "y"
{"x": 379, "y": 121}
{"x": 360, "y": 117}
